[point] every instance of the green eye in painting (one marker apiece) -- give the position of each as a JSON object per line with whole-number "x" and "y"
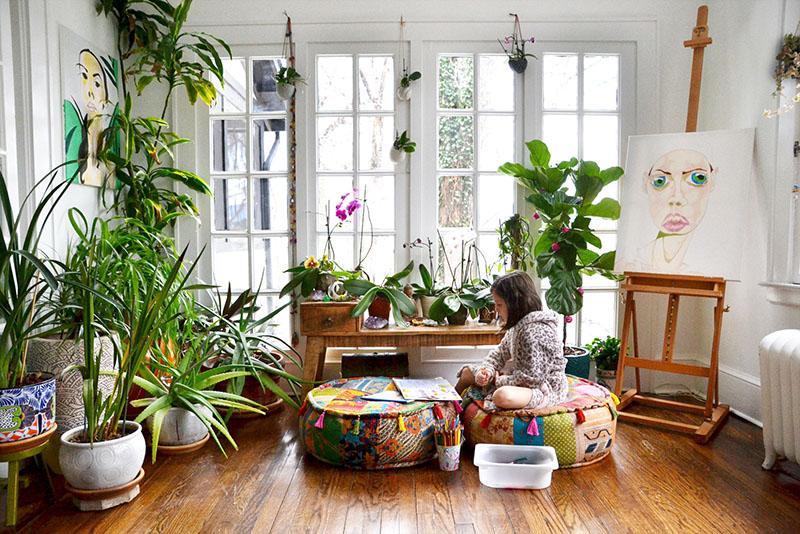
{"x": 658, "y": 182}
{"x": 698, "y": 178}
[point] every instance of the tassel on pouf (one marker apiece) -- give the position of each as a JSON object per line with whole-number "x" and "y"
{"x": 401, "y": 423}
{"x": 533, "y": 427}
{"x": 320, "y": 421}
{"x": 303, "y": 407}
{"x": 614, "y": 398}
{"x": 457, "y": 406}
{"x": 579, "y": 417}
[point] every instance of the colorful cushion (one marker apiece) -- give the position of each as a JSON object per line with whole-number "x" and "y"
{"x": 581, "y": 429}
{"x": 339, "y": 427}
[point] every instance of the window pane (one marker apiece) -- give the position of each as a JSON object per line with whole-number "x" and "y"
{"x": 229, "y": 145}
{"x": 455, "y": 201}
{"x": 230, "y": 262}
{"x": 495, "y": 141}
{"x": 560, "y": 81}
{"x": 230, "y": 204}
{"x": 560, "y": 132}
{"x": 330, "y": 190}
{"x": 231, "y": 98}
{"x": 270, "y": 204}
{"x": 270, "y": 260}
{"x": 279, "y": 325}
{"x": 609, "y": 241}
{"x": 335, "y": 143}
{"x": 495, "y": 200}
{"x": 495, "y": 84}
{"x": 379, "y": 193}
{"x": 265, "y": 97}
{"x": 334, "y": 83}
{"x": 600, "y": 82}
{"x": 376, "y": 83}
{"x": 455, "y": 242}
{"x": 601, "y": 139}
{"x": 380, "y": 262}
{"x": 375, "y": 137}
{"x": 456, "y": 82}
{"x": 269, "y": 145}
{"x": 488, "y": 244}
{"x": 599, "y": 315}
{"x": 455, "y": 142}
{"x": 342, "y": 249}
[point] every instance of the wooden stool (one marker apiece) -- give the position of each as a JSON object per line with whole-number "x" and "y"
{"x": 13, "y": 453}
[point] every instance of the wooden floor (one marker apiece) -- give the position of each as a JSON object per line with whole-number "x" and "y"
{"x": 653, "y": 482}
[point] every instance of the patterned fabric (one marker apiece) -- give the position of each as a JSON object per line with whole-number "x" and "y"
{"x": 581, "y": 429}
{"x": 27, "y": 411}
{"x": 534, "y": 355}
{"x": 339, "y": 427}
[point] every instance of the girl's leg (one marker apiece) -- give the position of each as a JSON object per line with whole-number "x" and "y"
{"x": 512, "y": 397}
{"x": 465, "y": 379}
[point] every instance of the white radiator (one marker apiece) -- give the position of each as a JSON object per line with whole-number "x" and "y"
{"x": 779, "y": 358}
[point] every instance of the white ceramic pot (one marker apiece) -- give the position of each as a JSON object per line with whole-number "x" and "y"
{"x": 285, "y": 91}
{"x": 397, "y": 156}
{"x": 103, "y": 464}
{"x": 403, "y": 93}
{"x": 427, "y": 302}
{"x": 181, "y": 427}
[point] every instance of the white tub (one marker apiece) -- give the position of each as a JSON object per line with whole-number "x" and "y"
{"x": 497, "y": 467}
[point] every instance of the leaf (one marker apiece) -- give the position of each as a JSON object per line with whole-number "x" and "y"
{"x": 605, "y": 261}
{"x": 365, "y": 302}
{"x": 427, "y": 280}
{"x": 607, "y": 208}
{"x": 587, "y": 186}
{"x": 405, "y": 304}
{"x": 540, "y": 155}
{"x": 358, "y": 287}
{"x": 563, "y": 296}
{"x": 612, "y": 174}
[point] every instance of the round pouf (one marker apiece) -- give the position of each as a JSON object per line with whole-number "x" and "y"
{"x": 340, "y": 428}
{"x": 581, "y": 429}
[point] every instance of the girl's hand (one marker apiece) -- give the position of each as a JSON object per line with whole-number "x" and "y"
{"x": 483, "y": 376}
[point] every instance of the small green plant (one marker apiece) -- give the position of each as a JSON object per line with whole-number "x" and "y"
{"x": 515, "y": 243}
{"x": 403, "y": 142}
{"x": 788, "y": 58}
{"x": 605, "y": 352}
{"x": 428, "y": 275}
{"x": 467, "y": 288}
{"x": 409, "y": 77}
{"x": 391, "y": 289}
{"x": 288, "y": 76}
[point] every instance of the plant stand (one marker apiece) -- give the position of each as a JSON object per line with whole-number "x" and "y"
{"x": 177, "y": 450}
{"x": 103, "y": 499}
{"x": 14, "y": 453}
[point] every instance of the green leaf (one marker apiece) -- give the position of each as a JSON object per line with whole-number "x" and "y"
{"x": 540, "y": 155}
{"x": 587, "y": 186}
{"x": 605, "y": 261}
{"x": 563, "y": 296}
{"x": 365, "y": 302}
{"x": 427, "y": 279}
{"x": 405, "y": 304}
{"x": 607, "y": 208}
{"x": 358, "y": 287}
{"x": 587, "y": 256}
{"x": 612, "y": 174}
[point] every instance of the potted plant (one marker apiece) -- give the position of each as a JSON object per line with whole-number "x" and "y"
{"x": 429, "y": 289}
{"x": 514, "y": 47}
{"x": 27, "y": 400}
{"x": 461, "y": 299}
{"x": 788, "y": 66}
{"x": 605, "y": 354}
{"x": 404, "y": 90}
{"x": 563, "y": 250}
{"x": 515, "y": 243}
{"x": 401, "y": 146}
{"x": 287, "y": 79}
{"x": 384, "y": 299}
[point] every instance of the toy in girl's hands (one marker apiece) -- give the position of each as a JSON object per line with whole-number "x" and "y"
{"x": 484, "y": 376}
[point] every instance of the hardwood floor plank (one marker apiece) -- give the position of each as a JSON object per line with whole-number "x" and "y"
{"x": 398, "y": 501}
{"x": 434, "y": 513}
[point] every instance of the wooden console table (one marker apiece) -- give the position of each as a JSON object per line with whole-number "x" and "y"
{"x": 329, "y": 325}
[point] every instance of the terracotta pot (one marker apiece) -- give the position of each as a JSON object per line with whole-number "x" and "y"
{"x": 459, "y": 318}
{"x": 380, "y": 307}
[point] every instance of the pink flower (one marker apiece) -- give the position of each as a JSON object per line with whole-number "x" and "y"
{"x": 555, "y": 247}
{"x": 567, "y": 319}
{"x": 533, "y": 39}
{"x": 564, "y": 230}
{"x": 580, "y": 290}
{"x": 341, "y": 214}
{"x": 353, "y": 206}
{"x": 536, "y": 216}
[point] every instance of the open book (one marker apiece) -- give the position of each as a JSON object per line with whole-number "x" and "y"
{"x": 426, "y": 389}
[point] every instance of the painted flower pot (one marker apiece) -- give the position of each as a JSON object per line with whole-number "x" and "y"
{"x": 426, "y": 301}
{"x": 487, "y": 315}
{"x": 380, "y": 307}
{"x": 518, "y": 65}
{"x": 397, "y": 156}
{"x": 28, "y": 410}
{"x": 102, "y": 464}
{"x": 53, "y": 355}
{"x": 181, "y": 427}
{"x": 607, "y": 377}
{"x": 285, "y": 91}
{"x": 578, "y": 362}
{"x": 403, "y": 93}
{"x": 459, "y": 318}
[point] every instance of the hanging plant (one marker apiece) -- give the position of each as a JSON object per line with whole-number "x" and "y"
{"x": 514, "y": 47}
{"x": 787, "y": 68}
{"x": 287, "y": 79}
{"x": 404, "y": 90}
{"x": 402, "y": 145}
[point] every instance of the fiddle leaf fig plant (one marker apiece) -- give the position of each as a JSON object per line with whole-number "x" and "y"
{"x": 567, "y": 248}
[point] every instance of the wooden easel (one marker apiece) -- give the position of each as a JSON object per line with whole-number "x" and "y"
{"x": 675, "y": 286}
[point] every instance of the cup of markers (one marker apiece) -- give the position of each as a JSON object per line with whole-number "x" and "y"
{"x": 448, "y": 434}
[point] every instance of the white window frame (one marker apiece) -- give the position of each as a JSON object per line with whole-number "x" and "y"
{"x": 8, "y": 139}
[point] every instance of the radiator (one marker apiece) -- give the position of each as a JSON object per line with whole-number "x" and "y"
{"x": 779, "y": 359}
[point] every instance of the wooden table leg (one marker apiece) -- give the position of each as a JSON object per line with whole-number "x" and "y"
{"x": 313, "y": 363}
{"x": 12, "y": 493}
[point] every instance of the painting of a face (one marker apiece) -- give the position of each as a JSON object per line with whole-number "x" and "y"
{"x": 93, "y": 82}
{"x": 678, "y": 187}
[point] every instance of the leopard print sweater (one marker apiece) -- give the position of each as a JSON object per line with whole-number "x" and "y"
{"x": 533, "y": 357}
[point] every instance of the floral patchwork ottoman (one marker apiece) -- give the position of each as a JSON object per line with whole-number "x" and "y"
{"x": 337, "y": 426}
{"x": 581, "y": 429}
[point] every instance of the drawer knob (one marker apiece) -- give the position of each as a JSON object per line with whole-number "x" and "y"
{"x": 328, "y": 321}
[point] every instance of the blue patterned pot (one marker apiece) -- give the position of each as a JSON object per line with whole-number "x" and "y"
{"x": 27, "y": 411}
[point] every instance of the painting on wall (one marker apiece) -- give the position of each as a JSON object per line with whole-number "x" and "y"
{"x": 90, "y": 101}
{"x": 685, "y": 203}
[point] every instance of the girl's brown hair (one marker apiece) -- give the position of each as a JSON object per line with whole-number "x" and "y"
{"x": 520, "y": 295}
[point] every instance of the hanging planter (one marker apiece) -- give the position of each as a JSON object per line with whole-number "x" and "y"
{"x": 285, "y": 91}
{"x": 403, "y": 91}
{"x": 287, "y": 79}
{"x": 402, "y": 145}
{"x": 514, "y": 47}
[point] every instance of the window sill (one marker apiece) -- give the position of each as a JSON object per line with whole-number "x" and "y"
{"x": 784, "y": 293}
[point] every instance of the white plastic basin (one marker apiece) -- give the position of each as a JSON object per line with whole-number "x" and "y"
{"x": 515, "y": 466}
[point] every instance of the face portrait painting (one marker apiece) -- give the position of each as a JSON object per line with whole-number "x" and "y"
{"x": 684, "y": 202}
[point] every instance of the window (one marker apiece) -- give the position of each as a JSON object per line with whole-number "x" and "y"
{"x": 355, "y": 128}
{"x": 248, "y": 164}
{"x": 476, "y": 132}
{"x": 7, "y": 124}
{"x": 581, "y": 117}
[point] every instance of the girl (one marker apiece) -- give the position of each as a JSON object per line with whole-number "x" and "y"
{"x": 531, "y": 348}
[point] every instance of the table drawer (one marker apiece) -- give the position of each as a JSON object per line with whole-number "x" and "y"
{"x": 327, "y": 317}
